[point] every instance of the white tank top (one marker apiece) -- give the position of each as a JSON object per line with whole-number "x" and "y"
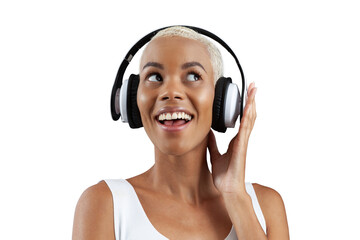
{"x": 131, "y": 222}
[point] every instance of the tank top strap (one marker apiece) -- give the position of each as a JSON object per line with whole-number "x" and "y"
{"x": 129, "y": 214}
{"x": 250, "y": 190}
{"x": 120, "y": 194}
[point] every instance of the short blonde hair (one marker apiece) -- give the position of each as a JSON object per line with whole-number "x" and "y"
{"x": 215, "y": 55}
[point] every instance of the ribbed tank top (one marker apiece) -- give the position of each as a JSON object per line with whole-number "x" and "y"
{"x": 131, "y": 222}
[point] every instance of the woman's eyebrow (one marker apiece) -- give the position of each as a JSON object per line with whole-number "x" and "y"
{"x": 154, "y": 64}
{"x": 192, "y": 64}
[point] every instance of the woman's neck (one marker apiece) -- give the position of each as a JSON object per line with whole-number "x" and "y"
{"x": 186, "y": 177}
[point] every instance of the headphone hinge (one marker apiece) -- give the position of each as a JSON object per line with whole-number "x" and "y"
{"x": 129, "y": 58}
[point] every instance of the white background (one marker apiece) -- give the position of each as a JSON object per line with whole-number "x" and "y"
{"x": 58, "y": 61}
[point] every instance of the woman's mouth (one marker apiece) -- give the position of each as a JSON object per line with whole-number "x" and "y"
{"x": 175, "y": 121}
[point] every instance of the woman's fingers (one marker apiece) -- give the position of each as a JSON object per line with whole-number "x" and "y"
{"x": 250, "y": 103}
{"x": 249, "y": 117}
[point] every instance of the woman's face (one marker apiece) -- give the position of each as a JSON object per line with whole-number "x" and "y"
{"x": 176, "y": 76}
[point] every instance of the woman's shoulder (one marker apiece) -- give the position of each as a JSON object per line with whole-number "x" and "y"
{"x": 273, "y": 208}
{"x": 94, "y": 214}
{"x": 266, "y": 192}
{"x": 98, "y": 194}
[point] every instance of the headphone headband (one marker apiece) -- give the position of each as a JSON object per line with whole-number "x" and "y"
{"x": 129, "y": 56}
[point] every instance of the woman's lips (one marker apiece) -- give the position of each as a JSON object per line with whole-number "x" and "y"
{"x": 173, "y": 125}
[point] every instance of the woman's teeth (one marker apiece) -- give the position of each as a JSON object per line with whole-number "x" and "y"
{"x": 174, "y": 116}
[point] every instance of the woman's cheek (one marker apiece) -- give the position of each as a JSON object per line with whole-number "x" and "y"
{"x": 205, "y": 101}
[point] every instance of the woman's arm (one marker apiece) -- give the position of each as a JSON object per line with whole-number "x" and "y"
{"x": 244, "y": 219}
{"x": 94, "y": 214}
{"x": 228, "y": 172}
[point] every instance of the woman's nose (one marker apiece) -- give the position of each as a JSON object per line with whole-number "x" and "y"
{"x": 172, "y": 89}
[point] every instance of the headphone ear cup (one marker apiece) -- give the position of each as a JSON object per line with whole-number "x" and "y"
{"x": 133, "y": 112}
{"x": 218, "y": 119}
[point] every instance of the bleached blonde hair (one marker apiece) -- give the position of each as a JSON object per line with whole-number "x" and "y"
{"x": 215, "y": 55}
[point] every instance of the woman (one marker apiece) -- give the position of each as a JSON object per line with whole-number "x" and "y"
{"x": 178, "y": 197}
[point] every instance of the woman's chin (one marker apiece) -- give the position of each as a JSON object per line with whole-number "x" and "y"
{"x": 180, "y": 147}
{"x": 176, "y": 149}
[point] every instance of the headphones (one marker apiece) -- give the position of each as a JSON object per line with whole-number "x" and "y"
{"x": 228, "y": 104}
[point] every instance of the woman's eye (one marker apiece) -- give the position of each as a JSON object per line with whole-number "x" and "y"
{"x": 193, "y": 77}
{"x": 155, "y": 77}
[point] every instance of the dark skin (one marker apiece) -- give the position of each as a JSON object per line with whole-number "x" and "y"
{"x": 198, "y": 204}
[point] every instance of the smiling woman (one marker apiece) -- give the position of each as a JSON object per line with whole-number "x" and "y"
{"x": 178, "y": 197}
